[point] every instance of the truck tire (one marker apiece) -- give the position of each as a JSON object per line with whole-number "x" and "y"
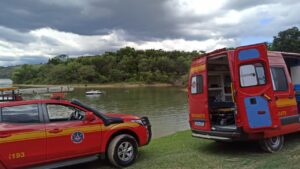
{"x": 122, "y": 150}
{"x": 272, "y": 144}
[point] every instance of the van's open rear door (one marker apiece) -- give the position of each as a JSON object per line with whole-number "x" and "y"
{"x": 253, "y": 88}
{"x": 197, "y": 93}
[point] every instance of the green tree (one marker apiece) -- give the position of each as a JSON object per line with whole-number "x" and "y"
{"x": 126, "y": 64}
{"x": 24, "y": 74}
{"x": 288, "y": 40}
{"x": 58, "y": 59}
{"x": 87, "y": 74}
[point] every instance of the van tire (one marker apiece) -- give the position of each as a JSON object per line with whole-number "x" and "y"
{"x": 122, "y": 150}
{"x": 273, "y": 144}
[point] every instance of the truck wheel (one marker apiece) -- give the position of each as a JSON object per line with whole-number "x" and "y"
{"x": 122, "y": 150}
{"x": 272, "y": 144}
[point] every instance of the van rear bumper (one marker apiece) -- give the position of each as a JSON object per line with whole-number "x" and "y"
{"x": 219, "y": 135}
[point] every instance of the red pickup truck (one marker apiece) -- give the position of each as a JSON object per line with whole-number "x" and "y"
{"x": 56, "y": 133}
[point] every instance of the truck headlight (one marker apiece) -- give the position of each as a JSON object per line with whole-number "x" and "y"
{"x": 138, "y": 121}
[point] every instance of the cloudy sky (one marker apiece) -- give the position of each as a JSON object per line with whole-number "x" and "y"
{"x": 31, "y": 31}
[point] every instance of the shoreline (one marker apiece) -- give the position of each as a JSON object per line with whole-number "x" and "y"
{"x": 108, "y": 85}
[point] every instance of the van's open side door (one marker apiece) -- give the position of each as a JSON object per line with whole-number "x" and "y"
{"x": 254, "y": 92}
{"x": 197, "y": 95}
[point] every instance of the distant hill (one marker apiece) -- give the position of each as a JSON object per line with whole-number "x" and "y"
{"x": 124, "y": 65}
{"x": 6, "y": 72}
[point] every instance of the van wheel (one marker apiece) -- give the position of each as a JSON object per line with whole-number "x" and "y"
{"x": 272, "y": 144}
{"x": 122, "y": 150}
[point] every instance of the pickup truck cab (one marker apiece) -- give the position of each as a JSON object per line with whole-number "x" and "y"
{"x": 247, "y": 93}
{"x": 55, "y": 133}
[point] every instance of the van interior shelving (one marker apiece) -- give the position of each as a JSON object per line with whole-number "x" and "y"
{"x": 221, "y": 107}
{"x": 293, "y": 65}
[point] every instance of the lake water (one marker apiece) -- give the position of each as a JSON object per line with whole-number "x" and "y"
{"x": 165, "y": 107}
{"x": 5, "y": 83}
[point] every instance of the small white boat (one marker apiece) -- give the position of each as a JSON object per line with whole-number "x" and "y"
{"x": 93, "y": 92}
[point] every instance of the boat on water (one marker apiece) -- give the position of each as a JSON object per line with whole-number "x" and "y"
{"x": 93, "y": 92}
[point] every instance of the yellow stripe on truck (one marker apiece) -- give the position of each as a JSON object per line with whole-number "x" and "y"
{"x": 41, "y": 134}
{"x": 24, "y": 136}
{"x": 84, "y": 129}
{"x": 122, "y": 125}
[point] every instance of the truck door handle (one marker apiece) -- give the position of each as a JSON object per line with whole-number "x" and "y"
{"x": 5, "y": 135}
{"x": 55, "y": 131}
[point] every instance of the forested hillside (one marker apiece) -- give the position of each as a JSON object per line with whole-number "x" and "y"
{"x": 127, "y": 65}
{"x": 124, "y": 65}
{"x": 6, "y": 72}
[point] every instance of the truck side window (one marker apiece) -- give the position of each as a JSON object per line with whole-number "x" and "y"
{"x": 197, "y": 84}
{"x": 279, "y": 79}
{"x": 57, "y": 112}
{"x": 21, "y": 114}
{"x": 252, "y": 75}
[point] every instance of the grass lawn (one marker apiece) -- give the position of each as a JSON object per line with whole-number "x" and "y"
{"x": 180, "y": 151}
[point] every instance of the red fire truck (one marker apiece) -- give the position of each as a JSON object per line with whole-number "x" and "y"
{"x": 247, "y": 93}
{"x": 55, "y": 133}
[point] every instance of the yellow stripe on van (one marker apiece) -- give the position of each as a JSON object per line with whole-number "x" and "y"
{"x": 201, "y": 116}
{"x": 286, "y": 102}
{"x": 198, "y": 68}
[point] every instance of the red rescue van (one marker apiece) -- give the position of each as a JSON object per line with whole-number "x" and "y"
{"x": 247, "y": 93}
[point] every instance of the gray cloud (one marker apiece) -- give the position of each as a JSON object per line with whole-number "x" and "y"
{"x": 7, "y": 59}
{"x": 141, "y": 19}
{"x": 32, "y": 28}
{"x": 32, "y": 59}
{"x": 138, "y": 17}
{"x": 10, "y": 61}
{"x": 241, "y": 5}
{"x": 15, "y": 36}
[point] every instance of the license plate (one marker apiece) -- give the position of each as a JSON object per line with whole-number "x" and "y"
{"x": 199, "y": 123}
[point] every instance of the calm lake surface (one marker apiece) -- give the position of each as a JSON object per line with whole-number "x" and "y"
{"x": 5, "y": 82}
{"x": 166, "y": 107}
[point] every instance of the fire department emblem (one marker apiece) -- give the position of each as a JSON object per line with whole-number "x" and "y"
{"x": 77, "y": 137}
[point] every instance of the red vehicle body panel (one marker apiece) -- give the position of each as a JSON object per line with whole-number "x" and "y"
{"x": 24, "y": 145}
{"x": 12, "y": 154}
{"x": 281, "y": 104}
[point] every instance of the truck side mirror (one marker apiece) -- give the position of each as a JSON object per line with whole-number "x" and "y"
{"x": 89, "y": 116}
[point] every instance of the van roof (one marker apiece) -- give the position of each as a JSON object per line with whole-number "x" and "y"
{"x": 225, "y": 51}
{"x": 213, "y": 53}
